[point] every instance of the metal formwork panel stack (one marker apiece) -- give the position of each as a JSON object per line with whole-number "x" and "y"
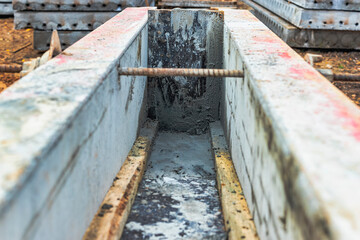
{"x": 197, "y": 3}
{"x": 312, "y": 24}
{"x": 6, "y": 8}
{"x": 72, "y": 18}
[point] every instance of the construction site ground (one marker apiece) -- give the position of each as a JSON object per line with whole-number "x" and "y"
{"x": 16, "y": 46}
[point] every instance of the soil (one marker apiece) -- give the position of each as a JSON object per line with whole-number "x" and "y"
{"x": 16, "y": 46}
{"x": 340, "y": 62}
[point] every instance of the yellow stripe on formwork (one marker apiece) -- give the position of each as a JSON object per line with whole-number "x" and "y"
{"x": 238, "y": 220}
{"x": 110, "y": 219}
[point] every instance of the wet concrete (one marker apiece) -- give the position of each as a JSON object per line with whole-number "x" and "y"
{"x": 177, "y": 197}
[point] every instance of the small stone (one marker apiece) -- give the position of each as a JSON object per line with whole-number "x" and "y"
{"x": 313, "y": 58}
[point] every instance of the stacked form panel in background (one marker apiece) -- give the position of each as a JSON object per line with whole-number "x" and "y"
{"x": 312, "y": 24}
{"x": 6, "y": 8}
{"x": 72, "y": 18}
{"x": 197, "y": 3}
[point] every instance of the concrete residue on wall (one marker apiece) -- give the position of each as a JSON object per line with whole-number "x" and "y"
{"x": 177, "y": 198}
{"x": 185, "y": 39}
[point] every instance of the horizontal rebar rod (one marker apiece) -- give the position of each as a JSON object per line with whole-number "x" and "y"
{"x": 186, "y": 72}
{"x": 10, "y": 68}
{"x": 346, "y": 77}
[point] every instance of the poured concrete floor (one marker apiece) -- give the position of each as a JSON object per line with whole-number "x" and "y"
{"x": 177, "y": 198}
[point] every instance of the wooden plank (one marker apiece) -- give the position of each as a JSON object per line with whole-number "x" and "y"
{"x": 110, "y": 219}
{"x": 238, "y": 220}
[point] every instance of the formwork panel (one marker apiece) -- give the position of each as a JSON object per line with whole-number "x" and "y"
{"x": 6, "y": 8}
{"x": 75, "y": 122}
{"x": 312, "y": 19}
{"x": 353, "y": 5}
{"x": 63, "y": 21}
{"x": 74, "y": 5}
{"x": 67, "y": 38}
{"x": 293, "y": 137}
{"x": 306, "y": 38}
{"x": 197, "y": 4}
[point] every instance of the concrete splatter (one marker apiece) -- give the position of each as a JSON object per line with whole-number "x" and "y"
{"x": 177, "y": 197}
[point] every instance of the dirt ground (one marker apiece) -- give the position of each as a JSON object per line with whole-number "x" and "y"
{"x": 16, "y": 46}
{"x": 340, "y": 62}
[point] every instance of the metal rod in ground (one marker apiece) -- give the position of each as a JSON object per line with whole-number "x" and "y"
{"x": 10, "y": 68}
{"x": 346, "y": 77}
{"x": 186, "y": 72}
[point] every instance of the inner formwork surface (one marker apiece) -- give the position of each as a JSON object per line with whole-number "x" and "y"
{"x": 177, "y": 197}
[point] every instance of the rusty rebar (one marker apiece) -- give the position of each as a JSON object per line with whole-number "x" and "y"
{"x": 186, "y": 72}
{"x": 346, "y": 77}
{"x": 10, "y": 68}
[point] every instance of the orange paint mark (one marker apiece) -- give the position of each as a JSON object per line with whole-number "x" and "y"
{"x": 305, "y": 74}
{"x": 265, "y": 39}
{"x": 61, "y": 59}
{"x": 349, "y": 120}
{"x": 285, "y": 55}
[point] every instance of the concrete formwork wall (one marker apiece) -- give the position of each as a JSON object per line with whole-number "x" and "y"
{"x": 66, "y": 129}
{"x": 185, "y": 39}
{"x": 294, "y": 138}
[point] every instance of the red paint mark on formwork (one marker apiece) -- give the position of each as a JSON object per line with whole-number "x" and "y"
{"x": 264, "y": 38}
{"x": 61, "y": 59}
{"x": 350, "y": 121}
{"x": 305, "y": 74}
{"x": 285, "y": 55}
{"x": 108, "y": 40}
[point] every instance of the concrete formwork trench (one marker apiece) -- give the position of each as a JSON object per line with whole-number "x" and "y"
{"x": 75, "y": 119}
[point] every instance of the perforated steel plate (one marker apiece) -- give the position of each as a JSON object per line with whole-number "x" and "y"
{"x": 313, "y": 19}
{"x": 67, "y": 38}
{"x": 352, "y": 5}
{"x": 61, "y": 20}
{"x": 6, "y": 9}
{"x": 306, "y": 38}
{"x": 76, "y": 5}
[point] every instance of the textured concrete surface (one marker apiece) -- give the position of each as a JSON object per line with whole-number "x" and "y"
{"x": 185, "y": 39}
{"x": 294, "y": 138}
{"x": 62, "y": 131}
{"x": 306, "y": 38}
{"x": 177, "y": 198}
{"x": 110, "y": 219}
